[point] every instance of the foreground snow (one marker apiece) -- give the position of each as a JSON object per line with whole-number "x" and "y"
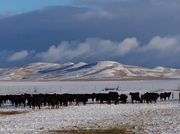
{"x": 162, "y": 117}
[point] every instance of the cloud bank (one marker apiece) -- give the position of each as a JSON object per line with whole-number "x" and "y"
{"x": 94, "y": 49}
{"x": 161, "y": 43}
{"x": 137, "y": 32}
{"x": 18, "y": 56}
{"x": 91, "y": 47}
{"x": 97, "y": 48}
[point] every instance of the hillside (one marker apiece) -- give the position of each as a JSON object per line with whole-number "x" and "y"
{"x": 102, "y": 70}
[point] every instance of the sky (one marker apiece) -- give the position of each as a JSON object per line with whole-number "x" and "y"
{"x": 135, "y": 32}
{"x": 21, "y": 6}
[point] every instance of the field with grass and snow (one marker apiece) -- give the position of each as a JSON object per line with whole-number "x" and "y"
{"x": 161, "y": 117}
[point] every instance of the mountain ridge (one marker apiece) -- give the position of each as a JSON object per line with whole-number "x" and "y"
{"x": 101, "y": 70}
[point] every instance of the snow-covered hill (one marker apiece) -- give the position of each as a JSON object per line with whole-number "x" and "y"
{"x": 102, "y": 70}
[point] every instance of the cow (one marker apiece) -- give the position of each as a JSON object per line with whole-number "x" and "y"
{"x": 1, "y": 100}
{"x": 102, "y": 97}
{"x": 113, "y": 97}
{"x": 35, "y": 100}
{"x": 123, "y": 98}
{"x": 135, "y": 97}
{"x": 92, "y": 96}
{"x": 81, "y": 98}
{"x": 17, "y": 100}
{"x": 165, "y": 95}
{"x": 150, "y": 97}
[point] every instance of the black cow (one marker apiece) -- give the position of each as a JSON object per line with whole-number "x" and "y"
{"x": 102, "y": 97}
{"x": 92, "y": 96}
{"x": 35, "y": 100}
{"x": 135, "y": 97}
{"x": 4, "y": 99}
{"x": 81, "y": 98}
{"x": 114, "y": 97}
{"x": 52, "y": 100}
{"x": 150, "y": 97}
{"x": 165, "y": 95}
{"x": 1, "y": 100}
{"x": 17, "y": 100}
{"x": 123, "y": 98}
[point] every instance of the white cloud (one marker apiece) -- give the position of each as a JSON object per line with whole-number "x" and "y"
{"x": 100, "y": 49}
{"x": 63, "y": 51}
{"x": 96, "y": 48}
{"x": 127, "y": 46}
{"x": 91, "y": 47}
{"x": 161, "y": 43}
{"x": 18, "y": 56}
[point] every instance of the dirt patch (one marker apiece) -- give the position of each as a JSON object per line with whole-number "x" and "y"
{"x": 13, "y": 112}
{"x": 121, "y": 130}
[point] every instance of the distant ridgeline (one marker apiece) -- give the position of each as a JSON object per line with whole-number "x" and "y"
{"x": 102, "y": 70}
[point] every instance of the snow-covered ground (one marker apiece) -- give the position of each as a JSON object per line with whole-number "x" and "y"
{"x": 90, "y": 86}
{"x": 162, "y": 117}
{"x": 7, "y": 87}
{"x": 159, "y": 118}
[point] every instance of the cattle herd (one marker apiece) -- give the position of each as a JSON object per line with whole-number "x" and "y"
{"x": 57, "y": 100}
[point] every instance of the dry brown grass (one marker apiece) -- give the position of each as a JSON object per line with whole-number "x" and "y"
{"x": 12, "y": 112}
{"x": 121, "y": 130}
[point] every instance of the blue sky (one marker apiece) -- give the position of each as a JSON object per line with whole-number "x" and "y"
{"x": 20, "y": 6}
{"x": 136, "y": 32}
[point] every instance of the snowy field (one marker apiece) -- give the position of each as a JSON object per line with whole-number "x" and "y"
{"x": 87, "y": 86}
{"x": 159, "y": 118}
{"x": 163, "y": 117}
{"x": 90, "y": 87}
